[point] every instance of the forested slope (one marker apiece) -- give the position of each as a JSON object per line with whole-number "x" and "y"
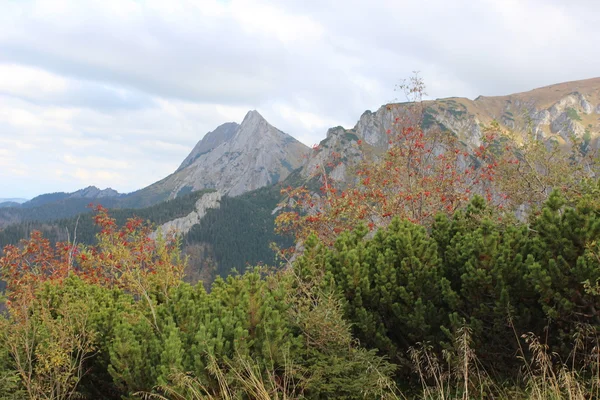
{"x": 237, "y": 234}
{"x": 240, "y": 231}
{"x": 82, "y": 226}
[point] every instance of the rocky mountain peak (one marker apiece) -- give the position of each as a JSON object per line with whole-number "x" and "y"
{"x": 92, "y": 192}
{"x": 235, "y": 159}
{"x": 211, "y": 140}
{"x": 253, "y": 117}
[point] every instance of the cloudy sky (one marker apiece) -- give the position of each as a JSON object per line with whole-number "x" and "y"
{"x": 117, "y": 92}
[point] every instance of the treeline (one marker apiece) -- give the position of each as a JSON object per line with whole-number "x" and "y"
{"x": 380, "y": 316}
{"x": 442, "y": 272}
{"x": 63, "y": 208}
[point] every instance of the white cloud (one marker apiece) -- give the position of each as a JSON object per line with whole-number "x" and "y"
{"x": 108, "y": 83}
{"x": 270, "y": 20}
{"x": 23, "y": 81}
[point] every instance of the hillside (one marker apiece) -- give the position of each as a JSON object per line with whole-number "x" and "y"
{"x": 12, "y": 199}
{"x": 233, "y": 159}
{"x": 421, "y": 281}
{"x": 228, "y": 234}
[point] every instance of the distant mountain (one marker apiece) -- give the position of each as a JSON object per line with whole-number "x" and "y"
{"x": 45, "y": 199}
{"x": 12, "y": 200}
{"x": 219, "y": 233}
{"x": 232, "y": 159}
{"x": 90, "y": 193}
{"x": 52, "y": 206}
{"x": 6, "y": 204}
{"x": 86, "y": 231}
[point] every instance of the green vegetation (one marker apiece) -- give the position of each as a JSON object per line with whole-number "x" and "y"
{"x": 350, "y": 136}
{"x": 508, "y": 116}
{"x": 573, "y": 115}
{"x": 63, "y": 208}
{"x": 428, "y": 119}
{"x": 287, "y": 165}
{"x": 423, "y": 280}
{"x": 366, "y": 318}
{"x": 83, "y": 225}
{"x": 237, "y": 234}
{"x": 457, "y": 113}
{"x": 240, "y": 231}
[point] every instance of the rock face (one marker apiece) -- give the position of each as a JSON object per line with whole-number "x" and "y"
{"x": 184, "y": 224}
{"x": 210, "y": 141}
{"x": 565, "y": 113}
{"x": 235, "y": 159}
{"x": 92, "y": 192}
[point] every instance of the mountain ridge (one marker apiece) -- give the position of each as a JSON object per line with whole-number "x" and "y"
{"x": 556, "y": 112}
{"x": 222, "y": 133}
{"x": 237, "y": 158}
{"x": 565, "y": 113}
{"x": 233, "y": 159}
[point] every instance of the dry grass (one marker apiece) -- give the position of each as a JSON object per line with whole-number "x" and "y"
{"x": 240, "y": 378}
{"x": 549, "y": 377}
{"x": 455, "y": 375}
{"x": 458, "y": 374}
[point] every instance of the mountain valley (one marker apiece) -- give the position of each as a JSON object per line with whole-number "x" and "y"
{"x": 245, "y": 166}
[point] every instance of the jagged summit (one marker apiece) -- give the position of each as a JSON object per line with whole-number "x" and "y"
{"x": 225, "y": 133}
{"x": 92, "y": 192}
{"x": 239, "y": 157}
{"x": 252, "y": 115}
{"x": 222, "y": 134}
{"x": 234, "y": 158}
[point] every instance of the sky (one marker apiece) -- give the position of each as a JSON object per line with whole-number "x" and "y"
{"x": 115, "y": 93}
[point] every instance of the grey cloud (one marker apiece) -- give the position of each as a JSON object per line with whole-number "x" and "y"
{"x": 473, "y": 41}
{"x": 203, "y": 63}
{"x": 162, "y": 77}
{"x": 90, "y": 95}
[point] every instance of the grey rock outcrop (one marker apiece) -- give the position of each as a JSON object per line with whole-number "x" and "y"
{"x": 562, "y": 112}
{"x": 184, "y": 224}
{"x": 92, "y": 192}
{"x": 210, "y": 141}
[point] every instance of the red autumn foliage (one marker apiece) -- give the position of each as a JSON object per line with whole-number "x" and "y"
{"x": 123, "y": 257}
{"x": 420, "y": 175}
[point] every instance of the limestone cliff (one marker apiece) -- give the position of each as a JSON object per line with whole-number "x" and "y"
{"x": 184, "y": 224}
{"x": 564, "y": 113}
